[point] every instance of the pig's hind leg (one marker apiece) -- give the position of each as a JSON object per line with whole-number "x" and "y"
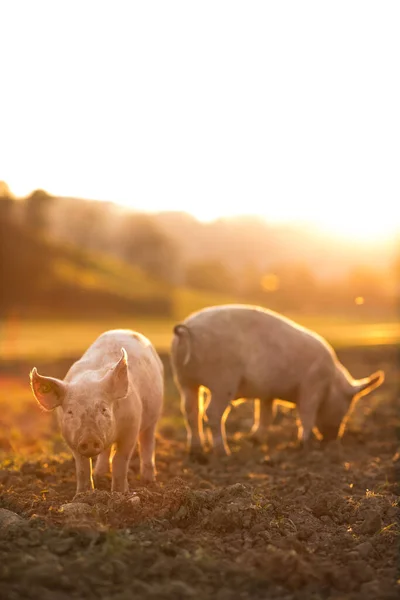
{"x": 193, "y": 419}
{"x": 147, "y": 452}
{"x": 217, "y": 412}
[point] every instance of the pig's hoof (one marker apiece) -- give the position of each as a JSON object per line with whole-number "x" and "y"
{"x": 78, "y": 495}
{"x": 148, "y": 480}
{"x": 219, "y": 461}
{"x": 331, "y": 442}
{"x": 257, "y": 439}
{"x": 221, "y": 454}
{"x": 197, "y": 456}
{"x": 101, "y": 481}
{"x": 305, "y": 446}
{"x": 147, "y": 476}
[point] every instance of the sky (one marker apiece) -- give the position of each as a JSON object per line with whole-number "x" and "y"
{"x": 288, "y": 110}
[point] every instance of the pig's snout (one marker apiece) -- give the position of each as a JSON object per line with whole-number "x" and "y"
{"x": 90, "y": 447}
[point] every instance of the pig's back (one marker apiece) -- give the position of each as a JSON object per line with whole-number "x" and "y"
{"x": 248, "y": 327}
{"x": 255, "y": 341}
{"x": 143, "y": 361}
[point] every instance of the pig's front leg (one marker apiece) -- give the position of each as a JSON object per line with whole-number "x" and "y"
{"x": 84, "y": 480}
{"x": 310, "y": 399}
{"x": 217, "y": 412}
{"x": 193, "y": 420}
{"x": 264, "y": 412}
{"x": 102, "y": 466}
{"x": 120, "y": 466}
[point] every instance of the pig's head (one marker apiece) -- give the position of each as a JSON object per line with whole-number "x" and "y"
{"x": 344, "y": 392}
{"x": 85, "y": 405}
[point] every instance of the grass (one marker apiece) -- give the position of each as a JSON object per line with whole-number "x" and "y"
{"x": 54, "y": 338}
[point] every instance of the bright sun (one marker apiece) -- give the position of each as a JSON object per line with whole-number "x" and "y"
{"x": 363, "y": 227}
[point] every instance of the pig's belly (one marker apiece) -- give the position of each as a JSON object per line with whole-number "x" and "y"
{"x": 269, "y": 387}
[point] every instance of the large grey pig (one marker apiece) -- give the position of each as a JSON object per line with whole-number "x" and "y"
{"x": 109, "y": 398}
{"x": 241, "y": 351}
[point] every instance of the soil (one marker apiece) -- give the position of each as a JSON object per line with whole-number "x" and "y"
{"x": 269, "y": 521}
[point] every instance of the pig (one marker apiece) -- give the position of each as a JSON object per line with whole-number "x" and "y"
{"x": 247, "y": 352}
{"x": 109, "y": 398}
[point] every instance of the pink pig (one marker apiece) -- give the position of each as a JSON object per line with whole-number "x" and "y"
{"x": 109, "y": 398}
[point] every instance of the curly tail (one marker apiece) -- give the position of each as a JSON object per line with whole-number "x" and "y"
{"x": 184, "y": 335}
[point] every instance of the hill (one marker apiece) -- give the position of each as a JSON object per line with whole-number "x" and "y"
{"x": 240, "y": 241}
{"x": 42, "y": 277}
{"x": 236, "y": 242}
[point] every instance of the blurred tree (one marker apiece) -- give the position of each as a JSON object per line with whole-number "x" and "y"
{"x": 5, "y": 191}
{"x": 395, "y": 275}
{"x": 145, "y": 245}
{"x": 209, "y": 275}
{"x": 87, "y": 225}
{"x": 368, "y": 283}
{"x": 37, "y": 206}
{"x": 6, "y": 201}
{"x": 249, "y": 279}
{"x": 396, "y": 269}
{"x": 290, "y": 286}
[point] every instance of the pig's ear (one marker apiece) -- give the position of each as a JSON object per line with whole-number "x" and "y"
{"x": 364, "y": 386}
{"x": 48, "y": 391}
{"x": 118, "y": 379}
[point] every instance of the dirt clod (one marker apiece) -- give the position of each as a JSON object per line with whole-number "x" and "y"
{"x": 372, "y": 522}
{"x": 9, "y": 519}
{"x": 364, "y": 549}
{"x": 75, "y": 509}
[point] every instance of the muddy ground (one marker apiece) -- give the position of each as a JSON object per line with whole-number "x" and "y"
{"x": 269, "y": 522}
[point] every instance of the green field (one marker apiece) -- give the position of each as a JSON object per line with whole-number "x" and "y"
{"x": 26, "y": 339}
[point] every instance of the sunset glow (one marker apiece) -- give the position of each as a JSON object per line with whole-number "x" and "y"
{"x": 287, "y": 111}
